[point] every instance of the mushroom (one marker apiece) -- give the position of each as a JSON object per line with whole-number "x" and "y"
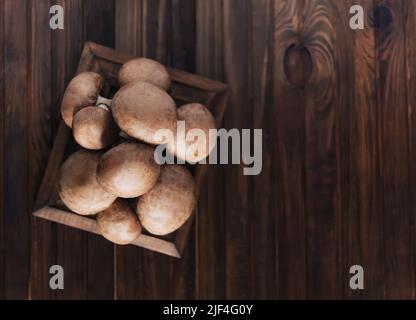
{"x": 194, "y": 147}
{"x": 141, "y": 110}
{"x": 94, "y": 128}
{"x": 78, "y": 186}
{"x": 128, "y": 170}
{"x": 118, "y": 223}
{"x": 168, "y": 205}
{"x": 82, "y": 91}
{"x": 143, "y": 69}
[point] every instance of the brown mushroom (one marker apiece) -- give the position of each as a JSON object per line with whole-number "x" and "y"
{"x": 168, "y": 205}
{"x": 118, "y": 223}
{"x": 128, "y": 170}
{"x": 141, "y": 109}
{"x": 78, "y": 186}
{"x": 143, "y": 69}
{"x": 82, "y": 91}
{"x": 94, "y": 128}
{"x": 196, "y": 148}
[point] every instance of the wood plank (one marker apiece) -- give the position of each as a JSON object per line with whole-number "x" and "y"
{"x": 157, "y": 279}
{"x": 16, "y": 221}
{"x": 71, "y": 244}
{"x": 394, "y": 149}
{"x": 128, "y": 26}
{"x": 363, "y": 221}
{"x": 130, "y": 262}
{"x": 356, "y": 172}
{"x": 40, "y": 139}
{"x": 290, "y": 155}
{"x": 183, "y": 17}
{"x": 153, "y": 269}
{"x": 99, "y": 26}
{"x": 182, "y": 56}
{"x": 210, "y": 250}
{"x": 99, "y": 21}
{"x": 263, "y": 234}
{"x": 410, "y": 25}
{"x": 156, "y": 27}
{"x": 2, "y": 118}
{"x": 100, "y": 283}
{"x": 236, "y": 15}
{"x": 322, "y": 104}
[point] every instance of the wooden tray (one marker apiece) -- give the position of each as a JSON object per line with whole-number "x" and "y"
{"x": 185, "y": 88}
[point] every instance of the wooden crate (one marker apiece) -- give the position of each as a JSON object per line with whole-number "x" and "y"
{"x": 185, "y": 88}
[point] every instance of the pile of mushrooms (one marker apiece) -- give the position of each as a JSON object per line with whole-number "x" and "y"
{"x": 114, "y": 175}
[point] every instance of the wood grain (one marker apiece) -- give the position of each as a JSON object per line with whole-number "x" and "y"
{"x": 2, "y": 118}
{"x": 210, "y": 248}
{"x": 15, "y": 174}
{"x": 394, "y": 151}
{"x": 409, "y": 13}
{"x": 337, "y": 111}
{"x": 159, "y": 31}
{"x": 71, "y": 245}
{"x": 236, "y": 23}
{"x": 181, "y": 41}
{"x": 264, "y": 279}
{"x": 290, "y": 262}
{"x": 130, "y": 262}
{"x": 321, "y": 107}
{"x": 99, "y": 21}
{"x": 152, "y": 270}
{"x": 128, "y": 21}
{"x": 363, "y": 239}
{"x": 40, "y": 139}
{"x": 99, "y": 27}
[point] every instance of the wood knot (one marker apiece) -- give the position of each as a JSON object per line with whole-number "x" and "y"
{"x": 297, "y": 65}
{"x": 382, "y": 16}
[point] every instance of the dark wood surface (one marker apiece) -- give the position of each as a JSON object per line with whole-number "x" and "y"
{"x": 337, "y": 109}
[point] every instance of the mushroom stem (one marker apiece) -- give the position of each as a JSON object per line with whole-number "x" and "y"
{"x": 103, "y": 101}
{"x": 124, "y": 135}
{"x": 105, "y": 104}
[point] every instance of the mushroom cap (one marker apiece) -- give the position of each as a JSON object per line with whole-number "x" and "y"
{"x": 94, "y": 128}
{"x": 196, "y": 116}
{"x": 118, "y": 223}
{"x": 128, "y": 170}
{"x": 143, "y": 69}
{"x": 141, "y": 109}
{"x": 168, "y": 205}
{"x": 78, "y": 186}
{"x": 82, "y": 91}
